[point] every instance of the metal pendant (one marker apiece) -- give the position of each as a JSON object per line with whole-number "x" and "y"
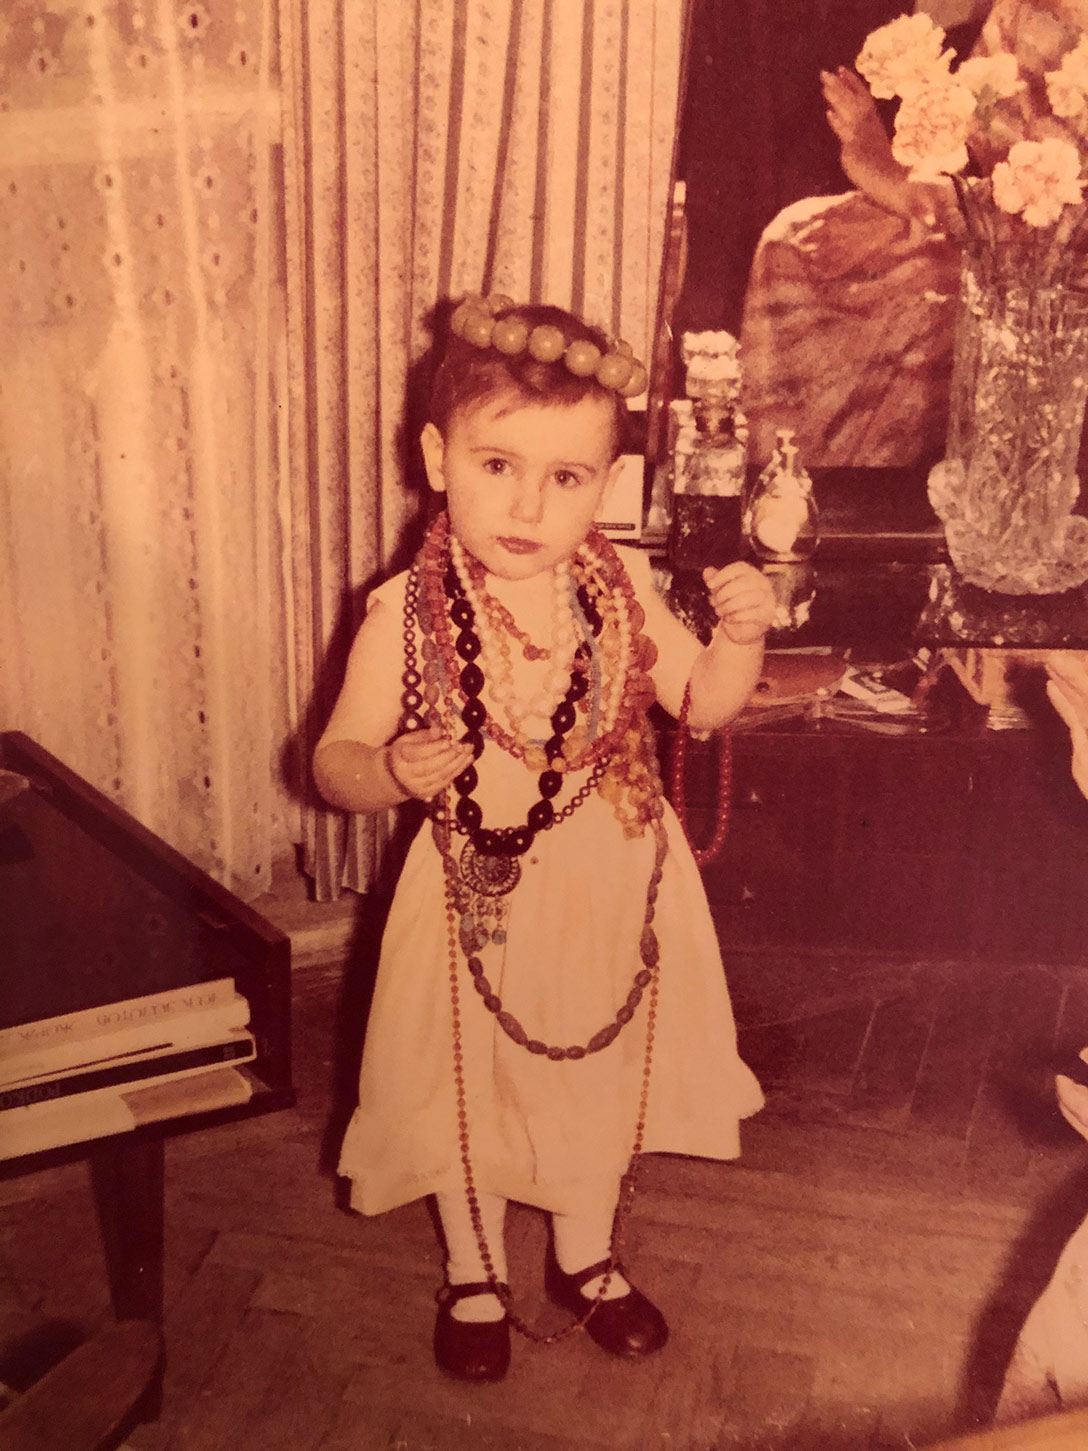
{"x": 490, "y": 876}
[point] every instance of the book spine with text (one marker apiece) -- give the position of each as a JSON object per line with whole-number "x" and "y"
{"x": 147, "y": 1014}
{"x": 239, "y": 1047}
{"x": 203, "y": 1025}
{"x": 107, "y": 1111}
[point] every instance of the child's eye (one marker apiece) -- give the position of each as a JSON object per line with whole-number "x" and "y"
{"x": 496, "y": 466}
{"x": 566, "y": 479}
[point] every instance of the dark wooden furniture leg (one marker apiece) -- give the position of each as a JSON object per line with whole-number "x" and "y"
{"x": 127, "y": 1174}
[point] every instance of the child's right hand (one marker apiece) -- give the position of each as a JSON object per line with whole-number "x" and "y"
{"x": 422, "y": 763}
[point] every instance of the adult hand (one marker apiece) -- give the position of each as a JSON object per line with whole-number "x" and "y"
{"x": 422, "y": 763}
{"x": 866, "y": 147}
{"x": 742, "y": 599}
{"x": 1068, "y": 692}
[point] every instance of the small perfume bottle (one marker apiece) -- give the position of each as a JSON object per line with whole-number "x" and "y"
{"x": 709, "y": 456}
{"x": 779, "y": 526}
{"x": 778, "y": 512}
{"x": 714, "y": 467}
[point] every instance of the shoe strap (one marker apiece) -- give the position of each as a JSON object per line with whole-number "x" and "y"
{"x": 583, "y": 1277}
{"x": 450, "y": 1294}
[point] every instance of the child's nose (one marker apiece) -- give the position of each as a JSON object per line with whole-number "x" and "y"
{"x": 528, "y": 503}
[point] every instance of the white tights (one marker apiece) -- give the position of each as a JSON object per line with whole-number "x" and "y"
{"x": 580, "y": 1240}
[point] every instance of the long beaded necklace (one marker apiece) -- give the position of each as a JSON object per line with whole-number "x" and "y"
{"x": 492, "y": 852}
{"x": 501, "y": 628}
{"x": 435, "y": 591}
{"x": 628, "y": 1181}
{"x": 500, "y": 848}
{"x": 678, "y": 792}
{"x": 507, "y": 841}
{"x": 649, "y": 952}
{"x": 488, "y": 862}
{"x": 495, "y": 649}
{"x": 647, "y": 976}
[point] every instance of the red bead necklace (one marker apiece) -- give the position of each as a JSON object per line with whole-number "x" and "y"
{"x": 702, "y": 855}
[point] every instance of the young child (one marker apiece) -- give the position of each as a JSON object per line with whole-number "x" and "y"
{"x": 549, "y": 943}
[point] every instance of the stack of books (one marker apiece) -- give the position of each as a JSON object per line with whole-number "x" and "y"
{"x": 82, "y": 1075}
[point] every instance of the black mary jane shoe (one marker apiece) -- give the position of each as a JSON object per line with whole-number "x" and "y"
{"x": 629, "y": 1325}
{"x": 470, "y": 1349}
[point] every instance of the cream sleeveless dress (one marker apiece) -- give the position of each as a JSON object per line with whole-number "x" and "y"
{"x": 552, "y": 1134}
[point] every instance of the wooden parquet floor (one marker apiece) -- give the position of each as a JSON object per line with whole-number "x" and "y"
{"x": 853, "y": 1283}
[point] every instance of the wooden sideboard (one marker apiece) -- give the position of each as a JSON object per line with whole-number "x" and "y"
{"x": 964, "y": 844}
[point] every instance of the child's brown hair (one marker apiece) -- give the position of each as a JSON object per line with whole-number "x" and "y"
{"x": 469, "y": 374}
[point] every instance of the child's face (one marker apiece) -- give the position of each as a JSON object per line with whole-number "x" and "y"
{"x": 523, "y": 481}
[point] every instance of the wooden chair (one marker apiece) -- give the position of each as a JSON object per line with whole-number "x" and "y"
{"x": 81, "y": 1404}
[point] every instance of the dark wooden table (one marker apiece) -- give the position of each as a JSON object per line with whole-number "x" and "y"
{"x": 956, "y": 842}
{"x": 938, "y": 837}
{"x": 78, "y": 877}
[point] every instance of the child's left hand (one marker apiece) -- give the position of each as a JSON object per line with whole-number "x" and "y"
{"x": 742, "y": 599}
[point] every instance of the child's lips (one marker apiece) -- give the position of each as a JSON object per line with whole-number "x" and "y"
{"x": 515, "y": 545}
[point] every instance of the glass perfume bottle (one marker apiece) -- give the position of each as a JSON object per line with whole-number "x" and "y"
{"x": 779, "y": 520}
{"x": 780, "y": 527}
{"x": 709, "y": 456}
{"x": 715, "y": 466}
{"x": 706, "y": 506}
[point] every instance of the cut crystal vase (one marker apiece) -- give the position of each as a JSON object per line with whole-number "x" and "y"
{"x": 1006, "y": 488}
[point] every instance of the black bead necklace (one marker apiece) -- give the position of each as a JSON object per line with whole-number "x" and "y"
{"x": 509, "y": 841}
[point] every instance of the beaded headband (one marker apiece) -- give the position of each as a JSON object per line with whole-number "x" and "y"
{"x": 475, "y": 320}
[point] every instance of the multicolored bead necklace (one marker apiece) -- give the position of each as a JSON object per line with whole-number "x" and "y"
{"x": 606, "y": 602}
{"x": 438, "y": 602}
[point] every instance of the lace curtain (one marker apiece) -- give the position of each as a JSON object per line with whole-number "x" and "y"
{"x": 223, "y": 229}
{"x": 140, "y": 407}
{"x": 522, "y": 146}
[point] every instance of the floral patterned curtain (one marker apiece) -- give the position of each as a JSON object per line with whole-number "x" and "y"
{"x": 140, "y": 398}
{"x": 523, "y": 146}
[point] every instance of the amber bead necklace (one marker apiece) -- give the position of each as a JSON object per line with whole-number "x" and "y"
{"x": 436, "y": 599}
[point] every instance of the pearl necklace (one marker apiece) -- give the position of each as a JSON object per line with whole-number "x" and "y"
{"x": 494, "y": 624}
